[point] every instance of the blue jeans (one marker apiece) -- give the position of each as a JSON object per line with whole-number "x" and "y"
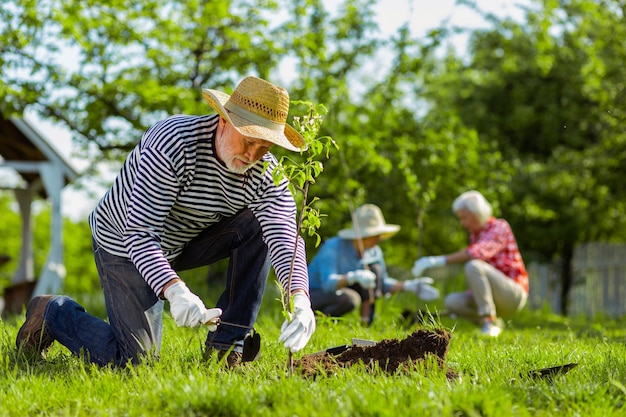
{"x": 135, "y": 323}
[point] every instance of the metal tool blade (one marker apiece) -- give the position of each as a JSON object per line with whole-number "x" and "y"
{"x": 363, "y": 342}
{"x": 552, "y": 371}
{"x": 336, "y": 350}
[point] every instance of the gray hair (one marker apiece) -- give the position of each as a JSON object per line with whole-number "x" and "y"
{"x": 475, "y": 203}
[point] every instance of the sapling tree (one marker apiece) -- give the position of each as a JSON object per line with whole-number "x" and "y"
{"x": 301, "y": 174}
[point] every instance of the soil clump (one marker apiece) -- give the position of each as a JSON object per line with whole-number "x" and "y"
{"x": 416, "y": 351}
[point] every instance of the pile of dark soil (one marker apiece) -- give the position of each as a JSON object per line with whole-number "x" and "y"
{"x": 390, "y": 355}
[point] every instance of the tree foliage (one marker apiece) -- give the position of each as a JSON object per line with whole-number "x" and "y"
{"x": 108, "y": 70}
{"x": 549, "y": 92}
{"x": 531, "y": 114}
{"x": 81, "y": 275}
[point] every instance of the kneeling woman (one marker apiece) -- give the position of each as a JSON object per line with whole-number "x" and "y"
{"x": 494, "y": 270}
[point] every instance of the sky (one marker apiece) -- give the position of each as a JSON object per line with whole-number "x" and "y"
{"x": 422, "y": 16}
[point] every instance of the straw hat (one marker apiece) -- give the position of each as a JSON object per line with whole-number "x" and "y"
{"x": 369, "y": 222}
{"x": 257, "y": 109}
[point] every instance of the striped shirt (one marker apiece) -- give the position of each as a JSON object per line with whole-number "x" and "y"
{"x": 172, "y": 187}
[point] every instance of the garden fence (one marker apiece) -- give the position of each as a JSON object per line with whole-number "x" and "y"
{"x": 599, "y": 284}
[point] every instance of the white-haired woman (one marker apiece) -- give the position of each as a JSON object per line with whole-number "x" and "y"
{"x": 494, "y": 270}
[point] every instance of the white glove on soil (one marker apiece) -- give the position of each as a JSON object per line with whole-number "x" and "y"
{"x": 426, "y": 262}
{"x": 188, "y": 309}
{"x": 422, "y": 287}
{"x": 365, "y": 278}
{"x": 296, "y": 332}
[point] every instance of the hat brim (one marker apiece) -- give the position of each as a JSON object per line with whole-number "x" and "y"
{"x": 289, "y": 138}
{"x": 385, "y": 232}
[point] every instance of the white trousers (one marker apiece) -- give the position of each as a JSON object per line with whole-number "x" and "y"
{"x": 490, "y": 293}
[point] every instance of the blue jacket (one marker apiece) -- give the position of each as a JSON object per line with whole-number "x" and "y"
{"x": 338, "y": 256}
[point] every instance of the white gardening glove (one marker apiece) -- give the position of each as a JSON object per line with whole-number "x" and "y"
{"x": 211, "y": 318}
{"x": 188, "y": 310}
{"x": 422, "y": 287}
{"x": 364, "y": 277}
{"x": 426, "y": 262}
{"x": 296, "y": 332}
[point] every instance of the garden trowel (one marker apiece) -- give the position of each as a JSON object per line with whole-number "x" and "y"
{"x": 336, "y": 350}
{"x": 548, "y": 373}
{"x": 251, "y": 346}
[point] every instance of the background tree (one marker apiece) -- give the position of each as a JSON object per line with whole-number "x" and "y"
{"x": 530, "y": 114}
{"x": 10, "y": 244}
{"x": 393, "y": 153}
{"x": 130, "y": 63}
{"x": 81, "y": 275}
{"x": 549, "y": 94}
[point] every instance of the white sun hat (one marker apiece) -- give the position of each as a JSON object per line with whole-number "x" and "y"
{"x": 369, "y": 221}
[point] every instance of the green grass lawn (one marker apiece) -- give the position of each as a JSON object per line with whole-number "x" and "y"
{"x": 492, "y": 374}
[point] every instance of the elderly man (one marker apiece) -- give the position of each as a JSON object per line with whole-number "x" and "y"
{"x": 195, "y": 190}
{"x": 349, "y": 271}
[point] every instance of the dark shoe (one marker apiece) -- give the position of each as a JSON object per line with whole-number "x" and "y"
{"x": 232, "y": 358}
{"x": 251, "y": 350}
{"x": 32, "y": 338}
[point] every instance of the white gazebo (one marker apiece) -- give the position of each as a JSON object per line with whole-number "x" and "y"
{"x": 45, "y": 173}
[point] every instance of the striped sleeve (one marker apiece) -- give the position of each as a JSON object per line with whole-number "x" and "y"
{"x": 151, "y": 199}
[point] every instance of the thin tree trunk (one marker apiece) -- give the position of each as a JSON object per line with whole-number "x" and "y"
{"x": 567, "y": 278}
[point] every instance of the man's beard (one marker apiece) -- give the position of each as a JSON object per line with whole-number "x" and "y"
{"x": 229, "y": 158}
{"x": 230, "y": 164}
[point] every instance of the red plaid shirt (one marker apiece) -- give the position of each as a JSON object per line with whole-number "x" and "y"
{"x": 496, "y": 245}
